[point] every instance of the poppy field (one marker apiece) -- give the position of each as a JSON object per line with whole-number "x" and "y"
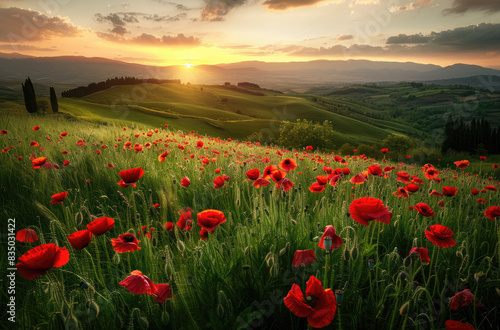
{"x": 153, "y": 228}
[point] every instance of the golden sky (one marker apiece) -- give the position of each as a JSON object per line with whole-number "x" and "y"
{"x": 163, "y": 32}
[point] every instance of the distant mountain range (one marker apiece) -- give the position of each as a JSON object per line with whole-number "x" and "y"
{"x": 79, "y": 70}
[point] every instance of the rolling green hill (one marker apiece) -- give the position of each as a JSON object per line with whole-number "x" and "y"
{"x": 223, "y": 111}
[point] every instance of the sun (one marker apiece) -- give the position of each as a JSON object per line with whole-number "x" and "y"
{"x": 188, "y": 65}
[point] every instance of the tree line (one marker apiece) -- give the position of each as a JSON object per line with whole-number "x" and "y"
{"x": 475, "y": 137}
{"x": 108, "y": 83}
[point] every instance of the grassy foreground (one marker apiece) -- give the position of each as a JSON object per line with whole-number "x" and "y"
{"x": 238, "y": 277}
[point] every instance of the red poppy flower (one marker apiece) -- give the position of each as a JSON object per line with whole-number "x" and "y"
{"x": 253, "y": 174}
{"x": 163, "y": 292}
{"x": 261, "y": 183}
{"x": 440, "y": 236}
{"x": 481, "y": 201}
{"x": 143, "y": 231}
{"x": 491, "y": 188}
{"x": 449, "y": 191}
{"x": 334, "y": 179}
{"x": 303, "y": 257}
{"x": 457, "y": 325}
{"x": 288, "y": 164}
{"x": 58, "y": 198}
{"x": 219, "y": 182}
{"x": 384, "y": 150}
{"x": 322, "y": 179}
{"x": 375, "y": 170}
{"x": 422, "y": 253}
{"x": 285, "y": 184}
{"x": 169, "y": 226}
{"x": 401, "y": 193}
{"x": 441, "y": 203}
{"x": 358, "y": 179}
{"x": 36, "y": 128}
{"x": 268, "y": 171}
{"x": 125, "y": 243}
{"x": 435, "y": 193}
{"x": 162, "y": 157}
{"x": 403, "y": 177}
{"x": 199, "y": 144}
{"x": 209, "y": 219}
{"x": 482, "y": 158}
{"x": 4, "y": 132}
{"x": 185, "y": 221}
{"x": 38, "y": 162}
{"x": 40, "y": 259}
{"x": 318, "y": 305}
{"x": 424, "y": 210}
{"x": 495, "y": 166}
{"x": 34, "y": 144}
{"x": 463, "y": 298}
{"x": 316, "y": 187}
{"x": 346, "y": 171}
{"x": 461, "y": 164}
{"x": 80, "y": 239}
{"x": 368, "y": 209}
{"x": 138, "y": 283}
{"x": 26, "y": 236}
{"x": 130, "y": 177}
{"x": 309, "y": 148}
{"x": 101, "y": 225}
{"x": 336, "y": 240}
{"x": 185, "y": 182}
{"x": 492, "y": 212}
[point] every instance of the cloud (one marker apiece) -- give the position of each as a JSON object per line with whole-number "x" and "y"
{"x": 345, "y": 37}
{"x": 19, "y": 25}
{"x": 483, "y": 39}
{"x": 289, "y": 4}
{"x": 179, "y": 6}
{"x": 408, "y": 39}
{"x": 215, "y": 10}
{"x": 484, "y": 36}
{"x": 117, "y": 19}
{"x": 167, "y": 18}
{"x": 462, "y": 6}
{"x": 411, "y": 6}
{"x": 120, "y": 30}
{"x": 151, "y": 40}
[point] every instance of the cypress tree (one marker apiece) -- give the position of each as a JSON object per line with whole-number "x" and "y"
{"x": 29, "y": 96}
{"x": 53, "y": 100}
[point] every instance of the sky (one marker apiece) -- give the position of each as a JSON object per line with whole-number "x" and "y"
{"x": 161, "y": 32}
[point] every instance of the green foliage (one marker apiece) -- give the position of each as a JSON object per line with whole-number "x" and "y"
{"x": 305, "y": 133}
{"x": 43, "y": 105}
{"x": 29, "y": 96}
{"x": 346, "y": 148}
{"x": 398, "y": 145}
{"x": 53, "y": 100}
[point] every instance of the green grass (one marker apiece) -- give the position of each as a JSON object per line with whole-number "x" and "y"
{"x": 241, "y": 273}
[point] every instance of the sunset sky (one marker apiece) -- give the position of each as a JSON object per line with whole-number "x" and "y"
{"x": 164, "y": 32}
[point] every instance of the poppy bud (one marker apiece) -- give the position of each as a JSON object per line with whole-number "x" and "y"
{"x": 294, "y": 222}
{"x": 402, "y": 275}
{"x": 246, "y": 267}
{"x": 480, "y": 278}
{"x": 339, "y": 296}
{"x": 84, "y": 285}
{"x": 327, "y": 241}
{"x": 371, "y": 263}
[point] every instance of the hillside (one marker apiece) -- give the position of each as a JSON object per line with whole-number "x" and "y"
{"x": 223, "y": 111}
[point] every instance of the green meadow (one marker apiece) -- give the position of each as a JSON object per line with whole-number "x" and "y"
{"x": 239, "y": 276}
